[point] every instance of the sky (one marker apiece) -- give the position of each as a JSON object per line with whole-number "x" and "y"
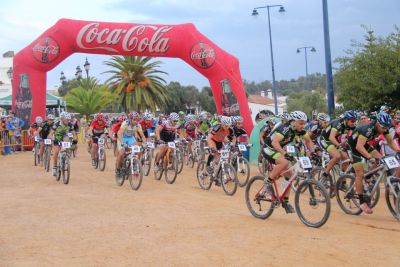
{"x": 228, "y": 23}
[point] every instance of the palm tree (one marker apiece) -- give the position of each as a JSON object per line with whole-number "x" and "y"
{"x": 89, "y": 97}
{"x": 135, "y": 80}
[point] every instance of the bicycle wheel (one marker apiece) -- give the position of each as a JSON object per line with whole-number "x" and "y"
{"x": 108, "y": 143}
{"x": 205, "y": 181}
{"x": 158, "y": 170}
{"x": 66, "y": 171}
{"x": 346, "y": 195}
{"x": 179, "y": 161}
{"x": 59, "y": 167}
{"x": 36, "y": 159}
{"x": 135, "y": 174}
{"x": 374, "y": 198}
{"x": 393, "y": 197}
{"x": 47, "y": 159}
{"x": 171, "y": 170}
{"x": 313, "y": 204}
{"x": 191, "y": 161}
{"x": 102, "y": 159}
{"x": 259, "y": 201}
{"x": 326, "y": 181}
{"x": 146, "y": 162}
{"x": 228, "y": 178}
{"x": 121, "y": 179}
{"x": 242, "y": 167}
{"x": 115, "y": 148}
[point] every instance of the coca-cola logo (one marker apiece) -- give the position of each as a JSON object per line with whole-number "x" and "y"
{"x": 91, "y": 36}
{"x": 46, "y": 50}
{"x": 202, "y": 55}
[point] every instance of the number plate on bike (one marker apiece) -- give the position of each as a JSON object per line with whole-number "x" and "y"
{"x": 36, "y": 139}
{"x": 224, "y": 154}
{"x": 66, "y": 144}
{"x": 305, "y": 162}
{"x": 242, "y": 147}
{"x": 171, "y": 144}
{"x": 197, "y": 143}
{"x": 150, "y": 144}
{"x": 47, "y": 141}
{"x": 135, "y": 149}
{"x": 70, "y": 135}
{"x": 152, "y": 134}
{"x": 290, "y": 149}
{"x": 392, "y": 162}
{"x": 101, "y": 141}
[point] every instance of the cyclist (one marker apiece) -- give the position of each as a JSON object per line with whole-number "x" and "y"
{"x": 218, "y": 135}
{"x": 59, "y": 133}
{"x": 191, "y": 128}
{"x": 316, "y": 128}
{"x": 273, "y": 149}
{"x": 181, "y": 122}
{"x": 97, "y": 128}
{"x": 361, "y": 150}
{"x": 147, "y": 124}
{"x": 264, "y": 133}
{"x": 129, "y": 133}
{"x": 167, "y": 132}
{"x": 204, "y": 124}
{"x": 44, "y": 131}
{"x": 330, "y": 141}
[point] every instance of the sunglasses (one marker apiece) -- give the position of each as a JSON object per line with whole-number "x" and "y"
{"x": 174, "y": 121}
{"x": 352, "y": 121}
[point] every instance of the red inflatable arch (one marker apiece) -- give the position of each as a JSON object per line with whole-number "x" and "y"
{"x": 180, "y": 41}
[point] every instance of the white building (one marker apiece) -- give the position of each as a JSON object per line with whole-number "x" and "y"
{"x": 6, "y": 62}
{"x": 264, "y": 102}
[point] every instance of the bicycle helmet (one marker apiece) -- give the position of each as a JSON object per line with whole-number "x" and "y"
{"x": 298, "y": 116}
{"x": 99, "y": 117}
{"x": 148, "y": 116}
{"x": 181, "y": 113}
{"x": 350, "y": 115}
{"x": 173, "y": 116}
{"x": 38, "y": 119}
{"x": 226, "y": 120}
{"x": 284, "y": 116}
{"x": 64, "y": 115}
{"x": 384, "y": 119}
{"x": 323, "y": 117}
{"x": 384, "y": 108}
{"x": 191, "y": 117}
{"x": 133, "y": 115}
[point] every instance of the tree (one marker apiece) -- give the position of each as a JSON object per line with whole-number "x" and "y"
{"x": 206, "y": 100}
{"x": 137, "y": 82}
{"x": 67, "y": 86}
{"x": 89, "y": 97}
{"x": 369, "y": 75}
{"x": 307, "y": 102}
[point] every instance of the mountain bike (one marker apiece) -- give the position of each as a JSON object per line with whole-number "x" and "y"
{"x": 147, "y": 157}
{"x": 63, "y": 163}
{"x": 168, "y": 164}
{"x": 36, "y": 151}
{"x": 47, "y": 154}
{"x": 131, "y": 168}
{"x": 241, "y": 164}
{"x": 100, "y": 156}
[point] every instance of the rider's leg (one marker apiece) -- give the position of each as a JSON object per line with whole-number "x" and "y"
{"x": 56, "y": 150}
{"x": 335, "y": 157}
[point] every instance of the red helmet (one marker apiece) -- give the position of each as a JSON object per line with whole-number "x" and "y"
{"x": 134, "y": 115}
{"x": 122, "y": 118}
{"x": 99, "y": 117}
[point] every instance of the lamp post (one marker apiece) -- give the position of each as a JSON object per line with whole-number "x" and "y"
{"x": 10, "y": 74}
{"x": 87, "y": 68}
{"x": 63, "y": 83}
{"x": 312, "y": 49}
{"x": 255, "y": 13}
{"x": 78, "y": 74}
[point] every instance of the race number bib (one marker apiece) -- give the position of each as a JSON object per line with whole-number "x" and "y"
{"x": 290, "y": 149}
{"x": 242, "y": 147}
{"x": 392, "y": 162}
{"x": 150, "y": 144}
{"x": 136, "y": 149}
{"x": 305, "y": 162}
{"x": 171, "y": 144}
{"x": 36, "y": 139}
{"x": 47, "y": 141}
{"x": 197, "y": 143}
{"x": 224, "y": 154}
{"x": 152, "y": 134}
{"x": 101, "y": 141}
{"x": 66, "y": 144}
{"x": 70, "y": 135}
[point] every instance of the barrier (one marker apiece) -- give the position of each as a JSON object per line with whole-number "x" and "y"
{"x": 15, "y": 140}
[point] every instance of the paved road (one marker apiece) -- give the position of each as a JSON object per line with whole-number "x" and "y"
{"x": 94, "y": 222}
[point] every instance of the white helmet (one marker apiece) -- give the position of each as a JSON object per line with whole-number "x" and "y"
{"x": 38, "y": 119}
{"x": 226, "y": 120}
{"x": 65, "y": 115}
{"x": 323, "y": 117}
{"x": 50, "y": 117}
{"x": 191, "y": 117}
{"x": 174, "y": 116}
{"x": 148, "y": 116}
{"x": 298, "y": 116}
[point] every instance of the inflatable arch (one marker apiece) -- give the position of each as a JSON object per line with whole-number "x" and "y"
{"x": 180, "y": 41}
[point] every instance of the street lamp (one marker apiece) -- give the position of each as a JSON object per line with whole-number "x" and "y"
{"x": 87, "y": 68}
{"x": 62, "y": 78}
{"x": 328, "y": 61}
{"x": 10, "y": 73}
{"x": 78, "y": 74}
{"x": 312, "y": 49}
{"x": 255, "y": 13}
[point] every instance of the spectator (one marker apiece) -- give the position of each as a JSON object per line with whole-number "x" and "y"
{"x": 14, "y": 126}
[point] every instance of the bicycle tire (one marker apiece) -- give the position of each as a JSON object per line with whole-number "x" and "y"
{"x": 147, "y": 163}
{"x": 102, "y": 159}
{"x": 313, "y": 187}
{"x": 135, "y": 173}
{"x": 35, "y": 154}
{"x": 246, "y": 174}
{"x": 349, "y": 195}
{"x": 59, "y": 166}
{"x": 179, "y": 158}
{"x": 121, "y": 179}
{"x": 201, "y": 178}
{"x": 225, "y": 169}
{"x": 66, "y": 172}
{"x": 47, "y": 159}
{"x": 393, "y": 202}
{"x": 327, "y": 182}
{"x": 158, "y": 170}
{"x": 256, "y": 184}
{"x": 171, "y": 174}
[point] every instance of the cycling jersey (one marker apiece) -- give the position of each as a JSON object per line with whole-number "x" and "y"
{"x": 45, "y": 129}
{"x": 204, "y": 126}
{"x": 98, "y": 129}
{"x": 266, "y": 131}
{"x": 61, "y": 130}
{"x": 147, "y": 127}
{"x": 240, "y": 134}
{"x": 168, "y": 132}
{"x": 315, "y": 129}
{"x": 219, "y": 133}
{"x": 190, "y": 129}
{"x": 341, "y": 129}
{"x": 129, "y": 129}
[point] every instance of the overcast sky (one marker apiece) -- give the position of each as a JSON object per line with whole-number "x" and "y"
{"x": 228, "y": 23}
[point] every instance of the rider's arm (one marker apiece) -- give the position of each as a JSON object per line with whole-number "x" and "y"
{"x": 309, "y": 143}
{"x": 120, "y": 133}
{"x": 361, "y": 140}
{"x": 276, "y": 139}
{"x": 158, "y": 130}
{"x": 210, "y": 141}
{"x": 391, "y": 142}
{"x": 332, "y": 137}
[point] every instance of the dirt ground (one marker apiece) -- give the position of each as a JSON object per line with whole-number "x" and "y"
{"x": 93, "y": 222}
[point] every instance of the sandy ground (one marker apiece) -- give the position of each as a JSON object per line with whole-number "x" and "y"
{"x": 93, "y": 222}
